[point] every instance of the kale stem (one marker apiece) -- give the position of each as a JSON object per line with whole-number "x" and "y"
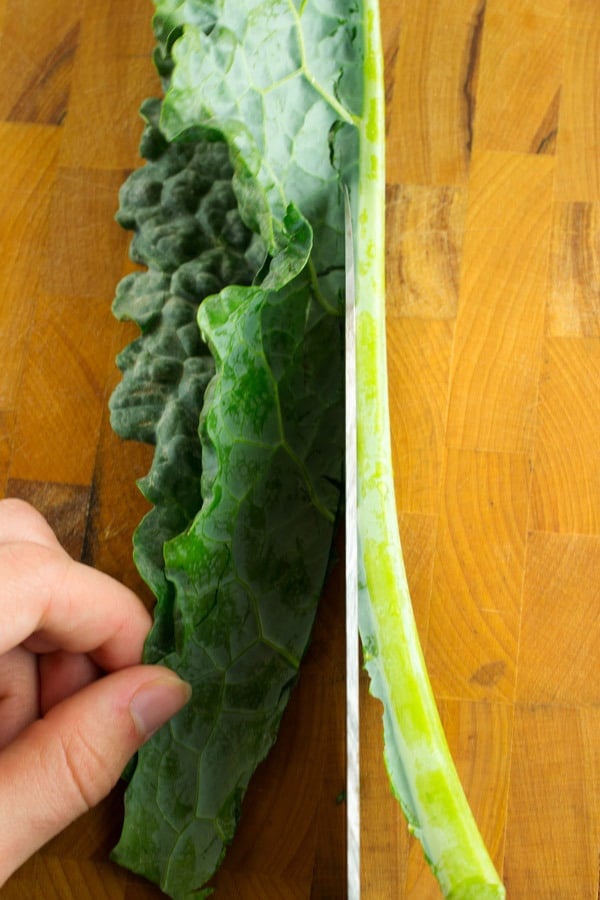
{"x": 419, "y": 763}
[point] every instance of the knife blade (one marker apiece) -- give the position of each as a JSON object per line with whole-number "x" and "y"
{"x": 351, "y": 572}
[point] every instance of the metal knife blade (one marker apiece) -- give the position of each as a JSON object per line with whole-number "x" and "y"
{"x": 352, "y": 643}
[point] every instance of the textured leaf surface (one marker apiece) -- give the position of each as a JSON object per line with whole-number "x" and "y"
{"x": 248, "y": 575}
{"x": 189, "y": 235}
{"x": 279, "y": 82}
{"x": 242, "y": 581}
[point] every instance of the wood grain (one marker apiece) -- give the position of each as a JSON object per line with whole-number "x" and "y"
{"x": 578, "y": 178}
{"x": 28, "y": 157}
{"x": 566, "y": 477}
{"x": 500, "y": 318}
{"x": 433, "y": 81}
{"x": 476, "y": 596}
{"x": 519, "y": 88}
{"x": 554, "y": 775}
{"x": 493, "y": 266}
{"x": 418, "y": 373}
{"x": 425, "y": 228}
{"x": 37, "y": 51}
{"x": 574, "y": 291}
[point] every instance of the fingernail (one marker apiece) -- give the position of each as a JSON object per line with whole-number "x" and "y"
{"x": 154, "y": 703}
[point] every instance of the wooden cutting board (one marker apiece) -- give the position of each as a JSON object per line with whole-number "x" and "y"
{"x": 493, "y": 260}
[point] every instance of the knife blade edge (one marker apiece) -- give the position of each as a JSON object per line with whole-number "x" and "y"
{"x": 351, "y": 572}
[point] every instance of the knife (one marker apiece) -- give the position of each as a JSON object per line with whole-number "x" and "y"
{"x": 352, "y": 643}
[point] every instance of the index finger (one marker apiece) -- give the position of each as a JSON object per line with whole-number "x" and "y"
{"x": 68, "y": 605}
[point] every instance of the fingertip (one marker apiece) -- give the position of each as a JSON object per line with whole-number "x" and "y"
{"x": 157, "y": 701}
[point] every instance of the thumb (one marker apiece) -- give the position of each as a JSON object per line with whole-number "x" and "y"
{"x": 64, "y": 764}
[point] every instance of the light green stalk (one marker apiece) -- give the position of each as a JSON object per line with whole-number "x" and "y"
{"x": 419, "y": 763}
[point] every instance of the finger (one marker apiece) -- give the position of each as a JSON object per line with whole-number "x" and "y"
{"x": 62, "y": 674}
{"x": 64, "y": 764}
{"x": 19, "y": 693}
{"x": 68, "y": 605}
{"x": 19, "y": 521}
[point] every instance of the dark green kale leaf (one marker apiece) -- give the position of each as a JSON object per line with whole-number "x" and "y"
{"x": 189, "y": 235}
{"x": 248, "y": 575}
{"x": 243, "y": 578}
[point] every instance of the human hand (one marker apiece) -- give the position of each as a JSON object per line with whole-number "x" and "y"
{"x": 75, "y": 703}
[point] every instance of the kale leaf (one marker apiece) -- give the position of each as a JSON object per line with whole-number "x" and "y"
{"x": 238, "y": 545}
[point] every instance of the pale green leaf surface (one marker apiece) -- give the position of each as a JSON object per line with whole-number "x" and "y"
{"x": 276, "y": 82}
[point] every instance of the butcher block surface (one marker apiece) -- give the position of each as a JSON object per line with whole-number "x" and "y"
{"x": 493, "y": 315}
